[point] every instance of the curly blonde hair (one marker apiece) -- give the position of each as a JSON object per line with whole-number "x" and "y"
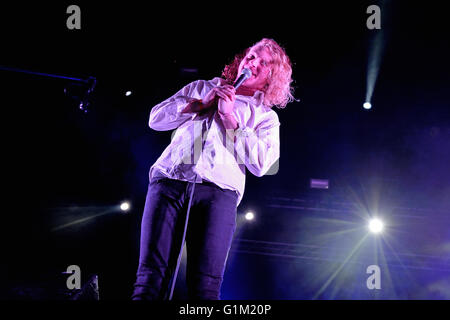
{"x": 279, "y": 91}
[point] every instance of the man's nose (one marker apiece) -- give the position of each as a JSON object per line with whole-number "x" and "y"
{"x": 255, "y": 63}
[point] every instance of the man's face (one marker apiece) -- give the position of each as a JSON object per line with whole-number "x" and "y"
{"x": 259, "y": 61}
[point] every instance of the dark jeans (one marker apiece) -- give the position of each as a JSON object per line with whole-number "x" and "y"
{"x": 212, "y": 221}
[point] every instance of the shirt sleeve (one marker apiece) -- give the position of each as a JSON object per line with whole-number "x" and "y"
{"x": 167, "y": 114}
{"x": 259, "y": 148}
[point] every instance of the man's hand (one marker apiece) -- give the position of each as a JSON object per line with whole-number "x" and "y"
{"x": 225, "y": 107}
{"x": 227, "y": 97}
{"x": 222, "y": 97}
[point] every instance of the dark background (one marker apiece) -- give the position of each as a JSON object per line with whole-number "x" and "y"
{"x": 61, "y": 165}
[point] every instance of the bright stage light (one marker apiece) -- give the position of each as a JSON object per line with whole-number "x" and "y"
{"x": 128, "y": 93}
{"x": 375, "y": 225}
{"x": 367, "y": 105}
{"x": 249, "y": 216}
{"x": 125, "y": 206}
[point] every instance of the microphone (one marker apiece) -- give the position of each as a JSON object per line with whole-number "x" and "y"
{"x": 246, "y": 73}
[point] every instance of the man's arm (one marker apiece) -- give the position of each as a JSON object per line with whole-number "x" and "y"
{"x": 210, "y": 100}
{"x": 258, "y": 148}
{"x": 228, "y": 120}
{"x": 194, "y": 106}
{"x": 168, "y": 115}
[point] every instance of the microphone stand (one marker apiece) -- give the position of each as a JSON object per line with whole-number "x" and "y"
{"x": 174, "y": 277}
{"x": 246, "y": 73}
{"x": 90, "y": 82}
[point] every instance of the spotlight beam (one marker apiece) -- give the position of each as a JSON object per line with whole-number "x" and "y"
{"x": 83, "y": 220}
{"x": 331, "y": 278}
{"x": 375, "y": 55}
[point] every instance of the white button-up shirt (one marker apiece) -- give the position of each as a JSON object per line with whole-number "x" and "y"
{"x": 202, "y": 149}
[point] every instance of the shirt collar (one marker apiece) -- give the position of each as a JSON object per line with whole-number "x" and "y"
{"x": 258, "y": 96}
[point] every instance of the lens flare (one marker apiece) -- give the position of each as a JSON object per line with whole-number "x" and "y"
{"x": 125, "y": 206}
{"x": 249, "y": 216}
{"x": 375, "y": 225}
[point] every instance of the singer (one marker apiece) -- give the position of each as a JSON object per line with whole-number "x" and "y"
{"x": 223, "y": 127}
